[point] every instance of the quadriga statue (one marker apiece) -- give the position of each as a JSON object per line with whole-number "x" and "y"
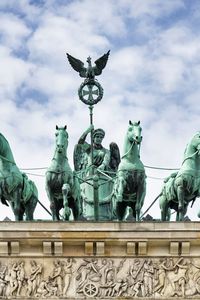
{"x": 130, "y": 184}
{"x": 105, "y": 164}
{"x": 183, "y": 186}
{"x": 15, "y": 187}
{"x": 62, "y": 186}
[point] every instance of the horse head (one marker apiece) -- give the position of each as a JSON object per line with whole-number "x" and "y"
{"x": 5, "y": 150}
{"x": 61, "y": 139}
{"x": 134, "y": 132}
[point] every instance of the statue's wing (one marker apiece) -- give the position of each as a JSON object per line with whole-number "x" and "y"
{"x": 101, "y": 63}
{"x": 77, "y": 65}
{"x": 78, "y": 156}
{"x": 114, "y": 156}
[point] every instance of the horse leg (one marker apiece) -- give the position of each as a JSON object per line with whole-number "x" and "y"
{"x": 49, "y": 184}
{"x": 74, "y": 205}
{"x": 53, "y": 208}
{"x": 21, "y": 213}
{"x": 180, "y": 194}
{"x": 179, "y": 183}
{"x": 76, "y": 199}
{"x": 168, "y": 214}
{"x": 177, "y": 215}
{"x": 30, "y": 208}
{"x": 121, "y": 182}
{"x": 120, "y": 210}
{"x": 164, "y": 208}
{"x": 65, "y": 192}
{"x": 16, "y": 204}
{"x": 138, "y": 205}
{"x": 140, "y": 195}
{"x": 133, "y": 210}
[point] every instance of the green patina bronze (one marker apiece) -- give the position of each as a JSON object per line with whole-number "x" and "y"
{"x": 96, "y": 174}
{"x": 93, "y": 160}
{"x": 15, "y": 187}
{"x": 97, "y": 166}
{"x": 102, "y": 186}
{"x": 91, "y": 71}
{"x": 62, "y": 186}
{"x": 90, "y": 91}
{"x": 130, "y": 184}
{"x": 183, "y": 186}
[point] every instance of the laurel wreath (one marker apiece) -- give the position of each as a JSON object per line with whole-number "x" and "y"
{"x": 100, "y": 92}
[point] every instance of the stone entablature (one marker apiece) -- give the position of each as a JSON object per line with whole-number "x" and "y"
{"x": 72, "y": 260}
{"x": 112, "y": 239}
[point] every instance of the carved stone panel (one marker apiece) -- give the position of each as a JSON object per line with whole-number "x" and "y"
{"x": 99, "y": 278}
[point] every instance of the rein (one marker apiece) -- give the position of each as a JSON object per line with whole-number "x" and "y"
{"x": 190, "y": 156}
{"x": 130, "y": 149}
{"x": 7, "y": 160}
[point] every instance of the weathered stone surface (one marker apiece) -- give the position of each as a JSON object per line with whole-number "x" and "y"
{"x": 76, "y": 260}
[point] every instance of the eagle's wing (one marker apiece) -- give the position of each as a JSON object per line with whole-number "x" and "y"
{"x": 101, "y": 63}
{"x": 77, "y": 65}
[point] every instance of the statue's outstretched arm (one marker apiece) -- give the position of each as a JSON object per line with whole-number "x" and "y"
{"x": 84, "y": 135}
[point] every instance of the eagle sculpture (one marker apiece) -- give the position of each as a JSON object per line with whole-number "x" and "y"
{"x": 91, "y": 71}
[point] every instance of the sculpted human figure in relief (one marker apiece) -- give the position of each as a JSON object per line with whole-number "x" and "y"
{"x": 100, "y": 278}
{"x": 20, "y": 277}
{"x": 34, "y": 279}
{"x": 67, "y": 267}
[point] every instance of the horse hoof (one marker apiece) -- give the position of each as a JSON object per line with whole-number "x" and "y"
{"x": 66, "y": 214}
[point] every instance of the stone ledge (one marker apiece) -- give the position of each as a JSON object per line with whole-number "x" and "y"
{"x": 48, "y": 226}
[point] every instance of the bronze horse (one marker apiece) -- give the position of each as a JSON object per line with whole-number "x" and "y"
{"x": 130, "y": 184}
{"x": 62, "y": 186}
{"x": 183, "y": 186}
{"x": 15, "y": 187}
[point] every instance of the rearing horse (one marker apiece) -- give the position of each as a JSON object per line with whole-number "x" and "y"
{"x": 184, "y": 186}
{"x": 62, "y": 186}
{"x": 130, "y": 184}
{"x": 15, "y": 187}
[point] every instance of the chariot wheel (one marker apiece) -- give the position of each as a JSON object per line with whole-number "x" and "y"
{"x": 90, "y": 290}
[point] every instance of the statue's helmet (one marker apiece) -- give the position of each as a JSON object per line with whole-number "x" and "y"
{"x": 100, "y": 132}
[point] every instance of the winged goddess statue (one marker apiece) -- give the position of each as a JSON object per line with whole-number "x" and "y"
{"x": 91, "y": 71}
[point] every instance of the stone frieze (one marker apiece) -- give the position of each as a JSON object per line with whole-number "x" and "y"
{"x": 99, "y": 278}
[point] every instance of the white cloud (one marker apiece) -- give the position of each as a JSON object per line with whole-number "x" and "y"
{"x": 154, "y": 8}
{"x": 58, "y": 35}
{"x": 13, "y": 31}
{"x": 13, "y": 73}
{"x": 168, "y": 72}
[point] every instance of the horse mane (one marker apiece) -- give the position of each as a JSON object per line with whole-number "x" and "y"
{"x": 186, "y": 149}
{"x": 188, "y": 144}
{"x": 4, "y": 140}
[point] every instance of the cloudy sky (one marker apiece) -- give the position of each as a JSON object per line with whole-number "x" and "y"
{"x": 153, "y": 75}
